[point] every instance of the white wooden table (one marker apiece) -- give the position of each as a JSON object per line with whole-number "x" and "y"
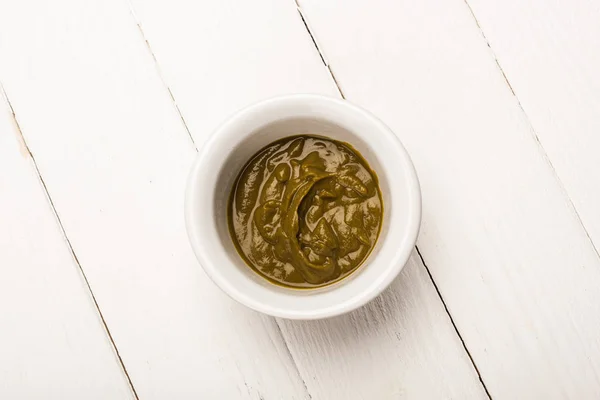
{"x": 107, "y": 101}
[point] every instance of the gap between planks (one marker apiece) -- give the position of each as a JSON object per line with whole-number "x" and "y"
{"x": 287, "y": 349}
{"x": 160, "y": 74}
{"x": 321, "y": 54}
{"x": 453, "y": 324}
{"x": 67, "y": 240}
{"x": 541, "y": 148}
{"x": 334, "y": 79}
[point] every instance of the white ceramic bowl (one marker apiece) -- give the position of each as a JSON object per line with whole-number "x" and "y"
{"x": 254, "y": 127}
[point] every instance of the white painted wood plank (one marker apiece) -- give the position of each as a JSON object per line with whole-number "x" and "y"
{"x": 550, "y": 53}
{"x": 53, "y": 345}
{"x": 504, "y": 246}
{"x": 371, "y": 353}
{"x": 115, "y": 157}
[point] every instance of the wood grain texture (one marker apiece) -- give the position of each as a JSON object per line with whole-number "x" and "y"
{"x": 401, "y": 346}
{"x": 550, "y": 53}
{"x": 503, "y": 243}
{"x": 53, "y": 345}
{"x": 115, "y": 156}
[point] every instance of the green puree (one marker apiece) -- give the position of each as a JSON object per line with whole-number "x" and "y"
{"x": 305, "y": 211}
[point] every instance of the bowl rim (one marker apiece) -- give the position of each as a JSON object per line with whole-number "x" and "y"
{"x": 359, "y": 299}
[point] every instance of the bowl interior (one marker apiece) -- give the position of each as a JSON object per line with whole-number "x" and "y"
{"x": 237, "y": 141}
{"x": 262, "y": 137}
